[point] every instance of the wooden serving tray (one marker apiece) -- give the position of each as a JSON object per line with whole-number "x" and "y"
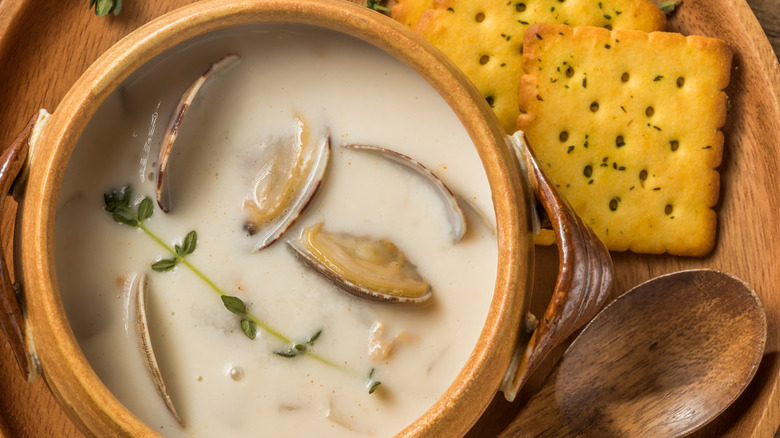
{"x": 45, "y": 46}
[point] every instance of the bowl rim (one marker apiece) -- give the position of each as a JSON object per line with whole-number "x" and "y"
{"x": 66, "y": 370}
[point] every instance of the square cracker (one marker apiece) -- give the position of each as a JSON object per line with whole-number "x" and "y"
{"x": 485, "y": 38}
{"x": 626, "y": 125}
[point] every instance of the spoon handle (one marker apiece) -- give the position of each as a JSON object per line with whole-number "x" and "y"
{"x": 540, "y": 418}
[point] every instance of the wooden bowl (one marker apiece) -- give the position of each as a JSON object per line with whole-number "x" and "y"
{"x": 45, "y": 339}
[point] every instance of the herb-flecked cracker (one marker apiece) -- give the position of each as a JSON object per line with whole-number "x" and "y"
{"x": 408, "y": 12}
{"x": 485, "y": 38}
{"x": 626, "y": 125}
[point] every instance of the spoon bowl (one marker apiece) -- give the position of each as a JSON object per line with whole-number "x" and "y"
{"x": 663, "y": 359}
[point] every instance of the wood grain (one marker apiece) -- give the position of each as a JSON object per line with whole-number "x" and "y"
{"x": 45, "y": 46}
{"x": 671, "y": 363}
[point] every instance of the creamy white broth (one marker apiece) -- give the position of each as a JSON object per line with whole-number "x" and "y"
{"x": 221, "y": 382}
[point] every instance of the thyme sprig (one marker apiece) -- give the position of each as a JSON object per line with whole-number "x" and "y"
{"x": 119, "y": 203}
{"x": 105, "y": 7}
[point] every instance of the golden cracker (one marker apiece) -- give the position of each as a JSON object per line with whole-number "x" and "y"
{"x": 408, "y": 12}
{"x": 626, "y": 125}
{"x": 485, "y": 39}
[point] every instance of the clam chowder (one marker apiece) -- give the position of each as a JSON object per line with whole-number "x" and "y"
{"x": 323, "y": 362}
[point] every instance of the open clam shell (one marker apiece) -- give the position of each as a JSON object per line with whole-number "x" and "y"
{"x": 172, "y": 131}
{"x": 145, "y": 344}
{"x": 285, "y": 186}
{"x": 363, "y": 266}
{"x": 454, "y": 213}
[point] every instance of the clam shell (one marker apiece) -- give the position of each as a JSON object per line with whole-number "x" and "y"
{"x": 316, "y": 166}
{"x": 172, "y": 131}
{"x": 145, "y": 344}
{"x": 454, "y": 213}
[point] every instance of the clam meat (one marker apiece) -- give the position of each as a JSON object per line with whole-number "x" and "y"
{"x": 285, "y": 184}
{"x": 364, "y": 266}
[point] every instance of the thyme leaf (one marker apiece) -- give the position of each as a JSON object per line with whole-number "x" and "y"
{"x": 164, "y": 265}
{"x": 314, "y": 337}
{"x": 124, "y": 220}
{"x": 249, "y": 328}
{"x": 372, "y": 383}
{"x": 118, "y": 204}
{"x": 114, "y": 201}
{"x": 105, "y": 7}
{"x": 293, "y": 350}
{"x": 190, "y": 243}
{"x": 234, "y": 304}
{"x": 668, "y": 6}
{"x": 289, "y": 353}
{"x": 145, "y": 209}
{"x": 373, "y": 386}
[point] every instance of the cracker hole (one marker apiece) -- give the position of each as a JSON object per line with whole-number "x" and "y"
{"x": 484, "y": 59}
{"x": 569, "y": 72}
{"x": 520, "y": 7}
{"x": 649, "y": 111}
{"x": 480, "y": 17}
{"x": 608, "y": 27}
{"x": 594, "y": 107}
{"x": 674, "y": 145}
{"x": 642, "y": 175}
{"x": 624, "y": 77}
{"x": 668, "y": 209}
{"x": 613, "y": 204}
{"x": 564, "y": 135}
{"x": 680, "y": 82}
{"x": 620, "y": 141}
{"x": 587, "y": 171}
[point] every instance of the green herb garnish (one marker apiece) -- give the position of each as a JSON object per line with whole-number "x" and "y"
{"x": 187, "y": 246}
{"x": 376, "y": 5}
{"x": 105, "y": 7}
{"x": 249, "y": 328}
{"x": 119, "y": 204}
{"x": 668, "y": 7}
{"x": 296, "y": 349}
{"x": 233, "y": 304}
{"x": 372, "y": 383}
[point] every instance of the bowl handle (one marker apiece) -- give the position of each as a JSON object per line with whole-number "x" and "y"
{"x": 584, "y": 276}
{"x": 12, "y": 310}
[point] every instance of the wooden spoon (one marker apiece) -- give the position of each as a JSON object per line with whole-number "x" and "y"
{"x": 662, "y": 360}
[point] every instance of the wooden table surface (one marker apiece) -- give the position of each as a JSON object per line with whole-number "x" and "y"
{"x": 29, "y": 410}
